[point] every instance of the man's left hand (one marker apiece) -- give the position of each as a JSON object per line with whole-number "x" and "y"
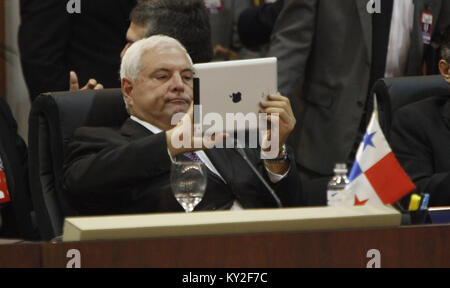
{"x": 278, "y": 104}
{"x": 282, "y": 106}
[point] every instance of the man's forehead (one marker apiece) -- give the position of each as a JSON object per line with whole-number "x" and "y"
{"x": 165, "y": 52}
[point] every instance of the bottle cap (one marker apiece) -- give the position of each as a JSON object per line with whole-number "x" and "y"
{"x": 340, "y": 168}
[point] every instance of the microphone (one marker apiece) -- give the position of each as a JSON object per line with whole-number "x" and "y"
{"x": 242, "y": 153}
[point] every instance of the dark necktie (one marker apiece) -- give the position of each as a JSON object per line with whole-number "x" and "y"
{"x": 192, "y": 156}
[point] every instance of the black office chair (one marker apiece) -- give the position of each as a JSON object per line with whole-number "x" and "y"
{"x": 53, "y": 119}
{"x": 393, "y": 93}
{"x": 17, "y": 215}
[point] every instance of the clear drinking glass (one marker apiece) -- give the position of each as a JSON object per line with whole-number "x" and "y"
{"x": 188, "y": 181}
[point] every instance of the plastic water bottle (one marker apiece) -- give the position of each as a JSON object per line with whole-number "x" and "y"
{"x": 336, "y": 194}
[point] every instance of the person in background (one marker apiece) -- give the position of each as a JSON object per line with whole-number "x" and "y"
{"x": 16, "y": 220}
{"x": 55, "y": 39}
{"x": 420, "y": 138}
{"x": 184, "y": 20}
{"x": 223, "y": 16}
{"x": 329, "y": 55}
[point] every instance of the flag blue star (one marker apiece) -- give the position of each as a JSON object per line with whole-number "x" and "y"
{"x": 368, "y": 140}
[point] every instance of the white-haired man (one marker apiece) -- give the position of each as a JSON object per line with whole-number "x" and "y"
{"x": 110, "y": 171}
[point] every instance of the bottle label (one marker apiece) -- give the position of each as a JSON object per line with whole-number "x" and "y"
{"x": 340, "y": 197}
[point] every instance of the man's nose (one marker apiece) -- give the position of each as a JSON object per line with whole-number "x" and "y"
{"x": 177, "y": 82}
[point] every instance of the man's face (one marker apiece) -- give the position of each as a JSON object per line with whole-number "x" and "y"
{"x": 163, "y": 86}
{"x": 134, "y": 33}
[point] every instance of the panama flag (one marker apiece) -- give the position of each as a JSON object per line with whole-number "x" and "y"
{"x": 376, "y": 177}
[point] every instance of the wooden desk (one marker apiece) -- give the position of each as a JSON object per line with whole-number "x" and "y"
{"x": 19, "y": 254}
{"x": 414, "y": 246}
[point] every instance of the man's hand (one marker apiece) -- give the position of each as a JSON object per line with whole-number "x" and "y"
{"x": 282, "y": 106}
{"x": 278, "y": 104}
{"x": 185, "y": 128}
{"x": 91, "y": 85}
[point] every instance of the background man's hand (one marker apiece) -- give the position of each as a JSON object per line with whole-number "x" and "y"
{"x": 91, "y": 85}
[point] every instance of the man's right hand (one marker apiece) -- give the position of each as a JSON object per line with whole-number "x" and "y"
{"x": 91, "y": 85}
{"x": 185, "y": 127}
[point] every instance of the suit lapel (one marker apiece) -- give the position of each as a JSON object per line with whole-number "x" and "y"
{"x": 366, "y": 25}
{"x": 222, "y": 163}
{"x": 134, "y": 130}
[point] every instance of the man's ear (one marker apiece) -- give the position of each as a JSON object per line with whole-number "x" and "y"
{"x": 127, "y": 88}
{"x": 444, "y": 68}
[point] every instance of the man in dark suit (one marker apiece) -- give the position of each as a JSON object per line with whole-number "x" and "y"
{"x": 420, "y": 138}
{"x": 127, "y": 170}
{"x": 15, "y": 201}
{"x": 186, "y": 21}
{"x": 52, "y": 42}
{"x": 329, "y": 55}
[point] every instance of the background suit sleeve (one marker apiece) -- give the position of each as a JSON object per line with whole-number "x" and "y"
{"x": 291, "y": 42}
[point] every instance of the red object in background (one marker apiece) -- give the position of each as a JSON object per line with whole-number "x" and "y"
{"x": 4, "y": 193}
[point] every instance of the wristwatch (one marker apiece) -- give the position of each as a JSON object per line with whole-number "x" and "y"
{"x": 282, "y": 156}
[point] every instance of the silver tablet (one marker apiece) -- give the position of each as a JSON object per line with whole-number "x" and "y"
{"x": 232, "y": 90}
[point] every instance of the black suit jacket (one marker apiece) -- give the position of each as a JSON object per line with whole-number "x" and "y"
{"x": 52, "y": 42}
{"x": 420, "y": 139}
{"x": 111, "y": 171}
{"x": 16, "y": 215}
{"x": 255, "y": 24}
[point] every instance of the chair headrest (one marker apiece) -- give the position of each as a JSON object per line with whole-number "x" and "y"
{"x": 394, "y": 93}
{"x": 405, "y": 90}
{"x": 74, "y": 109}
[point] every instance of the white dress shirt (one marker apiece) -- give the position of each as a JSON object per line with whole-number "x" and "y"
{"x": 402, "y": 22}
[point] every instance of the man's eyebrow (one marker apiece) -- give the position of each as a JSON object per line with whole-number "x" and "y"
{"x": 168, "y": 70}
{"x": 188, "y": 70}
{"x": 159, "y": 70}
